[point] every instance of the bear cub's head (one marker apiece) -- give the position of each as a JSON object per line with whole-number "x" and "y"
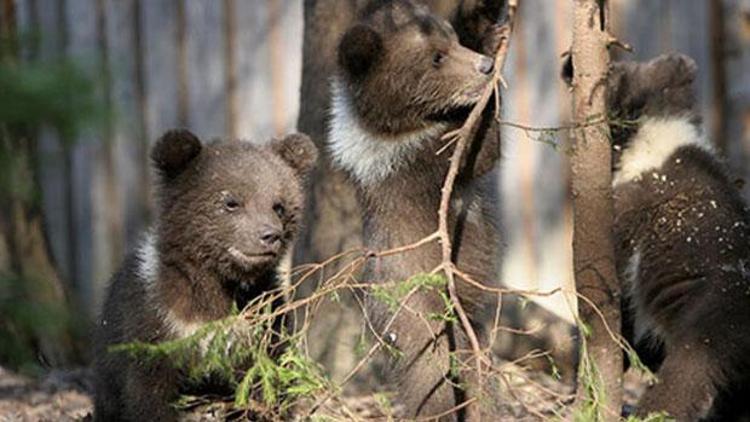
{"x": 660, "y": 88}
{"x": 229, "y": 208}
{"x": 403, "y": 69}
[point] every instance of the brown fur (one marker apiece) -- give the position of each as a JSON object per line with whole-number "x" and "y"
{"x": 333, "y": 215}
{"x": 227, "y": 212}
{"x": 396, "y": 86}
{"x": 689, "y": 225}
{"x": 333, "y": 219}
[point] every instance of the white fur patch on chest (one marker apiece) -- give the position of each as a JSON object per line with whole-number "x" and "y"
{"x": 148, "y": 259}
{"x": 368, "y": 157}
{"x": 148, "y": 274}
{"x": 656, "y": 140}
{"x": 179, "y": 327}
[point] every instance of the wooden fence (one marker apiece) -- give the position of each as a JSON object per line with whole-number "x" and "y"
{"x": 232, "y": 68}
{"x": 219, "y": 67}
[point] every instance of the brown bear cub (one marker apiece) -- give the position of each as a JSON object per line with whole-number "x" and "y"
{"x": 227, "y": 211}
{"x": 404, "y": 81}
{"x": 683, "y": 255}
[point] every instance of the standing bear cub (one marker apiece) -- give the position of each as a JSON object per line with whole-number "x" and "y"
{"x": 227, "y": 211}
{"x": 404, "y": 81}
{"x": 682, "y": 250}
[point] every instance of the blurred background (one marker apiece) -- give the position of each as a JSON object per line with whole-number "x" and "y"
{"x": 231, "y": 68}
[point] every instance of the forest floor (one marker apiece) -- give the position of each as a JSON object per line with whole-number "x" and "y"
{"x": 58, "y": 396}
{"x": 66, "y": 396}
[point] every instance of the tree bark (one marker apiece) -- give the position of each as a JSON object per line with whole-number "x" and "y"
{"x": 736, "y": 54}
{"x": 332, "y": 217}
{"x": 28, "y": 269}
{"x": 27, "y": 272}
{"x": 593, "y": 245}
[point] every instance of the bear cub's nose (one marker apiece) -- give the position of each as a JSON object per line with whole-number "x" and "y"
{"x": 270, "y": 237}
{"x": 486, "y": 65}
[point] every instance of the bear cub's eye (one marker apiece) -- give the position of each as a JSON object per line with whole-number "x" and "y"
{"x": 279, "y": 210}
{"x": 438, "y": 58}
{"x": 231, "y": 204}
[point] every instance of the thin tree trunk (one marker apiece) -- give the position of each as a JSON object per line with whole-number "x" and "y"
{"x": 736, "y": 54}
{"x": 332, "y": 216}
{"x": 26, "y": 268}
{"x": 600, "y": 374}
{"x": 719, "y": 72}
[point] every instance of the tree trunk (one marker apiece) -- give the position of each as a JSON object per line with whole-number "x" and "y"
{"x": 600, "y": 372}
{"x": 332, "y": 218}
{"x": 31, "y": 291}
{"x": 29, "y": 275}
{"x": 736, "y": 54}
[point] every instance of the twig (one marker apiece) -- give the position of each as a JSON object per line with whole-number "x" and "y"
{"x": 462, "y": 140}
{"x": 406, "y": 248}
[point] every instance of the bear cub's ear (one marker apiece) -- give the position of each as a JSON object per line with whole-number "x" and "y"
{"x": 173, "y": 152}
{"x": 297, "y": 150}
{"x": 359, "y": 49}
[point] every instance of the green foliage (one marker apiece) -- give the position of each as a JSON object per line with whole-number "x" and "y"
{"x": 653, "y": 417}
{"x": 393, "y": 293}
{"x": 21, "y": 320}
{"x": 554, "y": 370}
{"x": 637, "y": 364}
{"x": 361, "y": 347}
{"x": 384, "y": 403}
{"x": 454, "y": 365}
{"x": 58, "y": 93}
{"x": 591, "y": 406}
{"x": 236, "y": 352}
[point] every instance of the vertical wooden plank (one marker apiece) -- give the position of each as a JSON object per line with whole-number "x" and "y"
{"x": 129, "y": 144}
{"x": 690, "y": 34}
{"x": 291, "y": 26}
{"x": 538, "y": 253}
{"x": 116, "y": 172}
{"x": 7, "y": 16}
{"x": 205, "y": 67}
{"x": 644, "y": 24}
{"x": 105, "y": 201}
{"x": 534, "y": 226}
{"x": 276, "y": 63}
{"x": 230, "y": 68}
{"x": 253, "y": 89}
{"x": 516, "y": 258}
{"x": 26, "y": 23}
{"x": 47, "y": 23}
{"x": 145, "y": 197}
{"x": 524, "y": 184}
{"x": 22, "y": 18}
{"x": 718, "y": 31}
{"x": 544, "y": 80}
{"x": 81, "y": 27}
{"x": 160, "y": 65}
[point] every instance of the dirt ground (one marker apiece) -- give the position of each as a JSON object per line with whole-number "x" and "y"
{"x": 59, "y": 396}
{"x": 66, "y": 396}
